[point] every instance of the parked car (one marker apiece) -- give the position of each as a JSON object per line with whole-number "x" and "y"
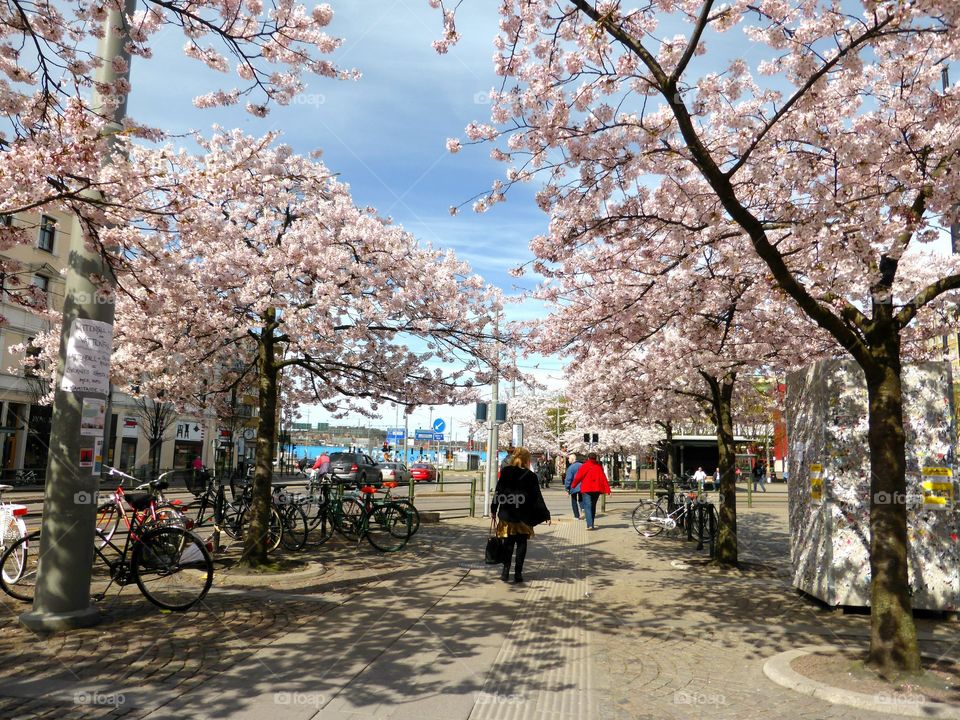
{"x": 354, "y": 468}
{"x": 395, "y": 472}
{"x": 423, "y": 472}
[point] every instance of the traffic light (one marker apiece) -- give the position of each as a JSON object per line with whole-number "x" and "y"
{"x": 386, "y": 447}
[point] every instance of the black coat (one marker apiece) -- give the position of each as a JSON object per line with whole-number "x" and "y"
{"x": 518, "y": 498}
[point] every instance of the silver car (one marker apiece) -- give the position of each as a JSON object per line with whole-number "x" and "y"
{"x": 395, "y": 472}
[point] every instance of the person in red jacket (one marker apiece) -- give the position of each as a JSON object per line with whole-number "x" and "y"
{"x": 593, "y": 482}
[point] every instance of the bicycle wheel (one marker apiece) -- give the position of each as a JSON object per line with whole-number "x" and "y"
{"x": 648, "y": 520}
{"x": 413, "y": 515}
{"x": 232, "y": 516}
{"x": 172, "y": 568}
{"x": 320, "y": 528}
{"x": 387, "y": 527}
{"x": 641, "y": 513}
{"x": 294, "y": 528}
{"x": 18, "y": 567}
{"x": 349, "y": 519}
{"x": 274, "y": 528}
{"x": 108, "y": 519}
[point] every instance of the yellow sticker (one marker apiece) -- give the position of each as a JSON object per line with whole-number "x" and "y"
{"x": 937, "y": 471}
{"x": 816, "y": 489}
{"x": 937, "y": 494}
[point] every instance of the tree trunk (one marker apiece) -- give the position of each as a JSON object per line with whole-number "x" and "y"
{"x": 668, "y": 449}
{"x": 255, "y": 538}
{"x": 155, "y": 446}
{"x": 726, "y": 543}
{"x": 893, "y": 635}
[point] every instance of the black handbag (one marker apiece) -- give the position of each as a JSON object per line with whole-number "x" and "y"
{"x": 495, "y": 550}
{"x": 493, "y": 555}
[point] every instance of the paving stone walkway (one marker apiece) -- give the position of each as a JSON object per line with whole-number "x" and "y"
{"x": 609, "y": 625}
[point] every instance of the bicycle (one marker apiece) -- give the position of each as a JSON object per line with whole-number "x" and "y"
{"x": 170, "y": 565}
{"x": 232, "y": 513}
{"x": 26, "y": 477}
{"x": 13, "y": 529}
{"x": 651, "y": 518}
{"x": 151, "y": 507}
{"x": 386, "y": 524}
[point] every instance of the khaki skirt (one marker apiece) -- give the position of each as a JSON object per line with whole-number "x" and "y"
{"x": 505, "y": 529}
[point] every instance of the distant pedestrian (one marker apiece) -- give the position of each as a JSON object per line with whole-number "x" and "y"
{"x": 593, "y": 483}
{"x": 321, "y": 466}
{"x": 698, "y": 478}
{"x": 197, "y": 463}
{"x": 518, "y": 507}
{"x": 758, "y": 477}
{"x": 716, "y": 478}
{"x": 572, "y": 468}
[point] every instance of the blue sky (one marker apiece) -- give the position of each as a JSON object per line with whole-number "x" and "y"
{"x": 385, "y": 134}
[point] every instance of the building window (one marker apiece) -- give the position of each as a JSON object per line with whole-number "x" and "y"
{"x": 48, "y": 228}
{"x": 42, "y": 282}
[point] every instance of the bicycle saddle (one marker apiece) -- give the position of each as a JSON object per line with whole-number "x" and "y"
{"x": 368, "y": 490}
{"x": 4, "y": 488}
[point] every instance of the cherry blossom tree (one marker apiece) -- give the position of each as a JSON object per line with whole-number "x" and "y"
{"x": 835, "y": 155}
{"x": 266, "y": 269}
{"x": 539, "y": 427}
{"x": 58, "y": 114}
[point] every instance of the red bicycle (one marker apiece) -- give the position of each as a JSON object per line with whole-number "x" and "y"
{"x": 149, "y": 509}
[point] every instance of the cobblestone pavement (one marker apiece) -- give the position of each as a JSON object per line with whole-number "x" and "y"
{"x": 609, "y": 625}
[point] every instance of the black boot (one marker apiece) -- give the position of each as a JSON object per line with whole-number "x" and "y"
{"x": 505, "y": 575}
{"x": 521, "y": 555}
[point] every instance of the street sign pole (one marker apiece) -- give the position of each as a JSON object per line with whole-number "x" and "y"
{"x": 62, "y": 598}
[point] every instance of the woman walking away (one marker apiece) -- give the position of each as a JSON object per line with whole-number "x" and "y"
{"x": 593, "y": 482}
{"x": 518, "y": 506}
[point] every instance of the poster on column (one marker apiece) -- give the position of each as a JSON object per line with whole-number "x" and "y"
{"x": 816, "y": 483}
{"x": 93, "y": 414}
{"x": 97, "y": 456}
{"x": 87, "y": 368}
{"x": 938, "y": 488}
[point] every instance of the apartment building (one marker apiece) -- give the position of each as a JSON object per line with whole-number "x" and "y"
{"x": 32, "y": 278}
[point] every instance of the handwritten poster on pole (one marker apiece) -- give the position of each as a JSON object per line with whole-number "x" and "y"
{"x": 87, "y": 368}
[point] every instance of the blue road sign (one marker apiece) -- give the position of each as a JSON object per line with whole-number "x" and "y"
{"x": 423, "y": 434}
{"x": 438, "y": 437}
{"x": 395, "y": 437}
{"x": 439, "y": 425}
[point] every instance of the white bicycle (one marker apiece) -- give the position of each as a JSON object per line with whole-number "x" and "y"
{"x": 12, "y": 529}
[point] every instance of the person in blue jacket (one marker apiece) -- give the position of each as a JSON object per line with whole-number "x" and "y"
{"x": 575, "y": 462}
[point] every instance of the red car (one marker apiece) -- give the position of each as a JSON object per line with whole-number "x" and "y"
{"x": 423, "y": 472}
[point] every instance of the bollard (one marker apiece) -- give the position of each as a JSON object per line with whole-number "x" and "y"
{"x": 410, "y": 491}
{"x": 653, "y": 488}
{"x": 440, "y": 478}
{"x": 688, "y": 516}
{"x": 473, "y": 497}
{"x": 218, "y": 504}
{"x": 700, "y": 519}
{"x": 713, "y": 531}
